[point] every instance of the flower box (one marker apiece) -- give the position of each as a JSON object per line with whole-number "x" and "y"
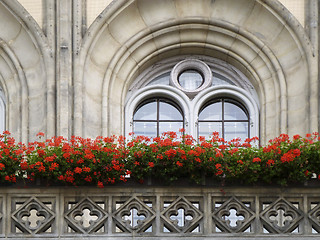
{"x": 167, "y": 160}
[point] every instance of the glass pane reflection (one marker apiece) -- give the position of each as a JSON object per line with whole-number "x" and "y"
{"x": 157, "y": 116}
{"x": 207, "y": 128}
{"x": 211, "y": 112}
{"x": 148, "y": 129}
{"x": 233, "y": 112}
{"x": 161, "y": 80}
{"x": 147, "y": 112}
{"x": 170, "y": 126}
{"x": 168, "y": 112}
{"x": 235, "y": 130}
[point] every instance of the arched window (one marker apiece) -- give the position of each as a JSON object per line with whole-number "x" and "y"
{"x": 226, "y": 116}
{"x": 198, "y": 93}
{"x": 157, "y": 115}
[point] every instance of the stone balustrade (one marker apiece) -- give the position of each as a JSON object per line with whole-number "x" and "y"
{"x": 146, "y": 212}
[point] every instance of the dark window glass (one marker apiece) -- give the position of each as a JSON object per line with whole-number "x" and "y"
{"x": 155, "y": 116}
{"x": 226, "y": 116}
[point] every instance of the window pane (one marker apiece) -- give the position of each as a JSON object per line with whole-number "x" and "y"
{"x": 170, "y": 126}
{"x": 168, "y": 112}
{"x": 212, "y": 112}
{"x": 161, "y": 80}
{"x": 233, "y": 112}
{"x": 207, "y": 128}
{"x": 147, "y": 112}
{"x": 218, "y": 79}
{"x": 190, "y": 80}
{"x": 235, "y": 130}
{"x": 148, "y": 129}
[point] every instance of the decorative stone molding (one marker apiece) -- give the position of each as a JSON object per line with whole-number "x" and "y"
{"x": 33, "y": 216}
{"x": 191, "y": 64}
{"x": 240, "y": 221}
{"x": 159, "y": 212}
{"x": 85, "y": 217}
{"x": 134, "y": 216}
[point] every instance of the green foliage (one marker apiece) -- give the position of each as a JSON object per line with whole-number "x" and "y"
{"x": 168, "y": 158}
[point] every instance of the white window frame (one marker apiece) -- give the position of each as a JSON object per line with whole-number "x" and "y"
{"x": 191, "y": 108}
{"x": 226, "y": 91}
{"x": 243, "y": 92}
{"x": 145, "y": 93}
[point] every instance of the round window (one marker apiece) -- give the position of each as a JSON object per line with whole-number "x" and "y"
{"x": 191, "y": 76}
{"x": 190, "y": 79}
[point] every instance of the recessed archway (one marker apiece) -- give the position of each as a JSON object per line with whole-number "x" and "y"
{"x": 259, "y": 39}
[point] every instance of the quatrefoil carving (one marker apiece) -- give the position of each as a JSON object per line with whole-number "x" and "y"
{"x": 134, "y": 216}
{"x": 33, "y": 216}
{"x": 233, "y": 216}
{"x": 86, "y": 216}
{"x": 314, "y": 216}
{"x": 281, "y": 217}
{"x": 181, "y": 216}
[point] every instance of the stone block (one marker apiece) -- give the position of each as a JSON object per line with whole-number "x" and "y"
{"x": 261, "y": 68}
{"x": 237, "y": 14}
{"x": 127, "y": 67}
{"x": 8, "y": 23}
{"x": 287, "y": 49}
{"x": 157, "y": 11}
{"x": 220, "y": 37}
{"x": 142, "y": 49}
{"x": 126, "y": 24}
{"x": 193, "y": 33}
{"x": 5, "y": 66}
{"x": 245, "y": 49}
{"x": 297, "y": 80}
{"x": 191, "y": 8}
{"x": 263, "y": 23}
{"x": 104, "y": 49}
{"x": 166, "y": 37}
{"x": 25, "y": 50}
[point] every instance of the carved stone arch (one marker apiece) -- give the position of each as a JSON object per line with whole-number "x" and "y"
{"x": 14, "y": 85}
{"x": 3, "y": 105}
{"x": 262, "y": 39}
{"x": 30, "y": 55}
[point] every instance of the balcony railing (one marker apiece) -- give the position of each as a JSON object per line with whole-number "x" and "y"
{"x": 147, "y": 212}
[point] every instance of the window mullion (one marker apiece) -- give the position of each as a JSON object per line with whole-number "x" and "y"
{"x": 158, "y": 117}
{"x": 222, "y": 117}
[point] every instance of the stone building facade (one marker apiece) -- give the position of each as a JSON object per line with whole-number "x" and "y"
{"x": 103, "y": 67}
{"x": 85, "y": 67}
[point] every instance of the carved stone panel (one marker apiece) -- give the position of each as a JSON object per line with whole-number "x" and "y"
{"x": 134, "y": 215}
{"x": 86, "y": 217}
{"x": 281, "y": 216}
{"x": 233, "y": 216}
{"x": 181, "y": 216}
{"x": 33, "y": 216}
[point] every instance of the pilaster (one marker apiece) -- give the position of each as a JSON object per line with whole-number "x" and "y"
{"x": 312, "y": 30}
{"x": 49, "y": 29}
{"x": 64, "y": 67}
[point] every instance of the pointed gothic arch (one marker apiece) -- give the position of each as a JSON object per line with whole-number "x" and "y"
{"x": 26, "y": 74}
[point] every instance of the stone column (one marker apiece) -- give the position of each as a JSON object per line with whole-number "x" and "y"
{"x": 311, "y": 27}
{"x": 49, "y": 29}
{"x": 64, "y": 67}
{"x": 71, "y": 18}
